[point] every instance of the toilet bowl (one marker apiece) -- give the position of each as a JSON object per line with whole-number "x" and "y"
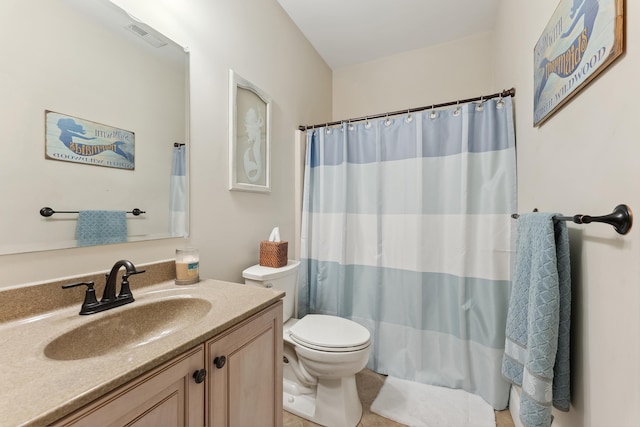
{"x": 321, "y": 355}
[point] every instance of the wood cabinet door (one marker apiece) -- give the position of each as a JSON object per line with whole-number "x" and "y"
{"x": 245, "y": 388}
{"x": 166, "y": 396}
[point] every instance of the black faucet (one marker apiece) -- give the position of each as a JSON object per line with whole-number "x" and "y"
{"x": 109, "y": 299}
{"x": 112, "y": 277}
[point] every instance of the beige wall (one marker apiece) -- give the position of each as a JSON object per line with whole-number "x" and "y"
{"x": 585, "y": 160}
{"x": 257, "y": 39}
{"x": 457, "y": 70}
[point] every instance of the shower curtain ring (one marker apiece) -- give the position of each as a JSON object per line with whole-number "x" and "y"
{"x": 480, "y": 106}
{"x": 387, "y": 122}
{"x": 409, "y": 118}
{"x": 433, "y": 114}
{"x": 456, "y": 112}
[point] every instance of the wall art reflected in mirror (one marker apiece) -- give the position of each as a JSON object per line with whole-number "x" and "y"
{"x": 90, "y": 63}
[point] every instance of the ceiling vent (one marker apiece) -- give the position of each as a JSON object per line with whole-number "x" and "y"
{"x": 150, "y": 38}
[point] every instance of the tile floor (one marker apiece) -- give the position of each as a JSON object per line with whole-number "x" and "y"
{"x": 369, "y": 384}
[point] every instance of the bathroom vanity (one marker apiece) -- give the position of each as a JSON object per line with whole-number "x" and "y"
{"x": 231, "y": 379}
{"x": 203, "y": 354}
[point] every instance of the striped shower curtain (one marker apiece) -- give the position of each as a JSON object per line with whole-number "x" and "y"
{"x": 406, "y": 230}
{"x": 178, "y": 193}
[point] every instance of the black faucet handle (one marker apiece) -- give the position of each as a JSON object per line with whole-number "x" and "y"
{"x": 126, "y": 275}
{"x": 89, "y": 285}
{"x": 90, "y": 300}
{"x": 125, "y": 289}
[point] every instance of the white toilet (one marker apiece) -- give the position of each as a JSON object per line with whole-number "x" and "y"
{"x": 322, "y": 355}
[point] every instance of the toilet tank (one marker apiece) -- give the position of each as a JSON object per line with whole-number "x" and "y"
{"x": 282, "y": 278}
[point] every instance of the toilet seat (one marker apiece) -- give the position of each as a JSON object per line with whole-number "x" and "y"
{"x": 329, "y": 333}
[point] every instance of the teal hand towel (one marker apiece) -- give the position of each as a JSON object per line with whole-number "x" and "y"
{"x": 536, "y": 353}
{"x": 101, "y": 227}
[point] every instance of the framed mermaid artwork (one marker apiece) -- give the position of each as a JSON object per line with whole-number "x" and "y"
{"x": 582, "y": 38}
{"x": 249, "y": 136}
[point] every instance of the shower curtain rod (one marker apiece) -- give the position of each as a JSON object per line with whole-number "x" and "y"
{"x": 506, "y": 92}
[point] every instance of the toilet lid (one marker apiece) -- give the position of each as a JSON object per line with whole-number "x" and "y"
{"x": 330, "y": 333}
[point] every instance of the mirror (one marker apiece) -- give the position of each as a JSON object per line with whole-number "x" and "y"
{"x": 88, "y": 62}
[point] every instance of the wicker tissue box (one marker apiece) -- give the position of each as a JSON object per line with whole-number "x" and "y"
{"x": 273, "y": 254}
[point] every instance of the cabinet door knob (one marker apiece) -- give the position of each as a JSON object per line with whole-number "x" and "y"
{"x": 200, "y": 375}
{"x": 219, "y": 361}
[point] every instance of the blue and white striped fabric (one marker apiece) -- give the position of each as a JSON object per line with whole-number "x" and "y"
{"x": 178, "y": 193}
{"x": 406, "y": 230}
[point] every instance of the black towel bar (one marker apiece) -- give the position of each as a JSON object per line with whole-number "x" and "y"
{"x": 621, "y": 218}
{"x": 48, "y": 212}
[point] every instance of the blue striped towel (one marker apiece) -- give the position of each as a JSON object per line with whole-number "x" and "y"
{"x": 536, "y": 354}
{"x": 101, "y": 227}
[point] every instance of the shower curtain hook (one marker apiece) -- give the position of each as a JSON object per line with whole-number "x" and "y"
{"x": 456, "y": 112}
{"x": 387, "y": 122}
{"x": 409, "y": 118}
{"x": 500, "y": 102}
{"x": 366, "y": 122}
{"x": 480, "y": 106}
{"x": 433, "y": 114}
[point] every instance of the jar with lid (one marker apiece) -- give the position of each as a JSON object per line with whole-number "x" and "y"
{"x": 187, "y": 266}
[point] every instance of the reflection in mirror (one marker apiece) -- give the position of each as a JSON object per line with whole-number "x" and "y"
{"x": 91, "y": 63}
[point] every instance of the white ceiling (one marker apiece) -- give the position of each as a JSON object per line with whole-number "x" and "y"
{"x": 346, "y": 32}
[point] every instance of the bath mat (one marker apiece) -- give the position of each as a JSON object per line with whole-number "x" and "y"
{"x": 423, "y": 405}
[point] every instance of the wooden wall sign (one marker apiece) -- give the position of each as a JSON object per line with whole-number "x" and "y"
{"x": 76, "y": 140}
{"x": 582, "y": 38}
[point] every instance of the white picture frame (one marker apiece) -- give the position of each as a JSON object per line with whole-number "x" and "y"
{"x": 249, "y": 136}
